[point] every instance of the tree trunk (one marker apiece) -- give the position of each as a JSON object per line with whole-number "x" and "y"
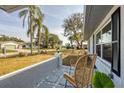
{"x": 52, "y": 46}
{"x": 39, "y": 36}
{"x": 81, "y": 44}
{"x": 76, "y": 38}
{"x": 31, "y": 36}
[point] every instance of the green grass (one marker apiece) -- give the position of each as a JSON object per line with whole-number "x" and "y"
{"x": 8, "y": 65}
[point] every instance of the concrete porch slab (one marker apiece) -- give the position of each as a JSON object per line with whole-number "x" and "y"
{"x": 55, "y": 79}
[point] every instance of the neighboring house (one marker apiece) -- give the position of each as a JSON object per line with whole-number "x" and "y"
{"x": 104, "y": 30}
{"x": 85, "y": 45}
{"x": 10, "y": 45}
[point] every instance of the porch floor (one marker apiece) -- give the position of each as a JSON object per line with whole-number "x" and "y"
{"x": 56, "y": 79}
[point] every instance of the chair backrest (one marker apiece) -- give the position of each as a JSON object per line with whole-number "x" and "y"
{"x": 81, "y": 52}
{"x": 84, "y": 70}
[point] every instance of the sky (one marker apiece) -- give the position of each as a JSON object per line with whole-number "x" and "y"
{"x": 11, "y": 24}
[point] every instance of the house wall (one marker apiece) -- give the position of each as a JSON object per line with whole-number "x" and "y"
{"x": 91, "y": 45}
{"x": 103, "y": 65}
{"x": 8, "y": 45}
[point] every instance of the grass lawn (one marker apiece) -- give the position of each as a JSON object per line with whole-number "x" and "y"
{"x": 8, "y": 65}
{"x": 8, "y": 51}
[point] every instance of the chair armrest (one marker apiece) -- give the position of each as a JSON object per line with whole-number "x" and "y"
{"x": 70, "y": 79}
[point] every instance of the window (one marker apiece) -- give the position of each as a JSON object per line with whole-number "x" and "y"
{"x": 107, "y": 52}
{"x": 93, "y": 44}
{"x": 107, "y": 34}
{"x": 103, "y": 43}
{"x": 98, "y": 38}
{"x": 98, "y": 50}
{"x": 89, "y": 45}
{"x": 98, "y": 44}
{"x": 116, "y": 42}
{"x": 115, "y": 56}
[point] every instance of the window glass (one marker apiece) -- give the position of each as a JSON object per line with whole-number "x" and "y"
{"x": 115, "y": 26}
{"x": 107, "y": 34}
{"x": 107, "y": 52}
{"x": 98, "y": 38}
{"x": 115, "y": 56}
{"x": 98, "y": 50}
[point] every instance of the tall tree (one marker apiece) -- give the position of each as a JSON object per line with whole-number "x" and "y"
{"x": 40, "y": 26}
{"x": 54, "y": 40}
{"x": 46, "y": 31}
{"x": 35, "y": 22}
{"x": 73, "y": 26}
{"x": 71, "y": 39}
{"x": 29, "y": 14}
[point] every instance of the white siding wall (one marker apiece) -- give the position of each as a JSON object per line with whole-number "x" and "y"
{"x": 91, "y": 45}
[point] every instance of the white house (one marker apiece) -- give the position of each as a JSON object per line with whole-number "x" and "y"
{"x": 10, "y": 45}
{"x": 104, "y": 30}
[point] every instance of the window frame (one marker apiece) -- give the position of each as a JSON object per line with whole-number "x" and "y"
{"x": 118, "y": 42}
{"x": 102, "y": 43}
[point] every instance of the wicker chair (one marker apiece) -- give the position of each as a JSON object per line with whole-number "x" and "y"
{"x": 83, "y": 71}
{"x": 79, "y": 54}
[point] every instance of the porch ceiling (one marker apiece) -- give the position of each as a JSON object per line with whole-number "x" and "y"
{"x": 11, "y": 8}
{"x": 94, "y": 14}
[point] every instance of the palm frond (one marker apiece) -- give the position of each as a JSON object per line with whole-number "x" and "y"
{"x": 28, "y": 32}
{"x": 45, "y": 29}
{"x": 23, "y": 13}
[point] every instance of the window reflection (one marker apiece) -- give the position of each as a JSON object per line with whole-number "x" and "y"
{"x": 107, "y": 34}
{"x": 98, "y": 38}
{"x": 98, "y": 50}
{"x": 107, "y": 52}
{"x": 103, "y": 43}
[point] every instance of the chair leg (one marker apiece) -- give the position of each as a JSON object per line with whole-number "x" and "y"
{"x": 65, "y": 83}
{"x": 90, "y": 86}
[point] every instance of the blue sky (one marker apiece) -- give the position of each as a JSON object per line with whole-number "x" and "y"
{"x": 11, "y": 24}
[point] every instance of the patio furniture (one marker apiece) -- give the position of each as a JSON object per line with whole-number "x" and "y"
{"x": 80, "y": 53}
{"x": 82, "y": 76}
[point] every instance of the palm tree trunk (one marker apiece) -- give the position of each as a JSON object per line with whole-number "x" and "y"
{"x": 39, "y": 40}
{"x": 31, "y": 38}
{"x": 31, "y": 34}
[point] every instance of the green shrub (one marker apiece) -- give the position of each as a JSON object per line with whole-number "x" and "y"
{"x": 101, "y": 80}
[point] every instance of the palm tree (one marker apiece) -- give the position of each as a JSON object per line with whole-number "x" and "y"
{"x": 29, "y": 13}
{"x": 46, "y": 31}
{"x": 41, "y": 27}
